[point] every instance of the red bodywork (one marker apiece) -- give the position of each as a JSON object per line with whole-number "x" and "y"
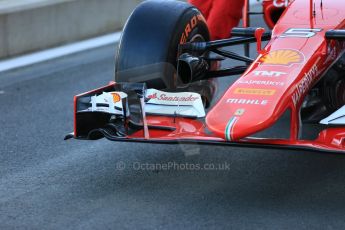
{"x": 289, "y": 63}
{"x": 275, "y": 83}
{"x": 221, "y": 15}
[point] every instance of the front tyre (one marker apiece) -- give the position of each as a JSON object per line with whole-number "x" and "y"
{"x": 148, "y": 50}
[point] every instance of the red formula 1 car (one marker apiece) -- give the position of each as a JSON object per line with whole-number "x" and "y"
{"x": 165, "y": 89}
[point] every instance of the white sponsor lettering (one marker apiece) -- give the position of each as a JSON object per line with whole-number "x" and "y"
{"x": 246, "y": 101}
{"x": 165, "y": 98}
{"x": 256, "y": 82}
{"x": 269, "y": 73}
{"x": 300, "y": 33}
{"x": 305, "y": 84}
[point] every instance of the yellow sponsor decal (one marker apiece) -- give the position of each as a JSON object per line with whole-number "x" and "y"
{"x": 285, "y": 57}
{"x": 116, "y": 97}
{"x": 263, "y": 92}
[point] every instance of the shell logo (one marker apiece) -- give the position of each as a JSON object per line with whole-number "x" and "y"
{"x": 286, "y": 57}
{"x": 116, "y": 97}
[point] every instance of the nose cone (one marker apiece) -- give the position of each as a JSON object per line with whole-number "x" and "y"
{"x": 235, "y": 118}
{"x": 258, "y": 98}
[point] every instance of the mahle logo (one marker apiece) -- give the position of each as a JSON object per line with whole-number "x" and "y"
{"x": 243, "y": 101}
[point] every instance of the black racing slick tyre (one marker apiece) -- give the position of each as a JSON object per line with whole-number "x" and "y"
{"x": 148, "y": 50}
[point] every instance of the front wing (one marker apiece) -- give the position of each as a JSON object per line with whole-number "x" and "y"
{"x": 174, "y": 129}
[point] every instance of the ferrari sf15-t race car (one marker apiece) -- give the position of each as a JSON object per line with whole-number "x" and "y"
{"x": 165, "y": 88}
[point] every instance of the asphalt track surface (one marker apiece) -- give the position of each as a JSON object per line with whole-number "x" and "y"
{"x": 48, "y": 183}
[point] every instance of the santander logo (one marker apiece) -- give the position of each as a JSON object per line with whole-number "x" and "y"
{"x": 165, "y": 97}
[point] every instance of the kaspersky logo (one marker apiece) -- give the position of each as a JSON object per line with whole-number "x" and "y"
{"x": 283, "y": 57}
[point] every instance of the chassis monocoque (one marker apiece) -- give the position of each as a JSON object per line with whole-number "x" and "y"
{"x": 165, "y": 89}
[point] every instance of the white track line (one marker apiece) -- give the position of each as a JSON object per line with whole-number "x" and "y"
{"x": 53, "y": 53}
